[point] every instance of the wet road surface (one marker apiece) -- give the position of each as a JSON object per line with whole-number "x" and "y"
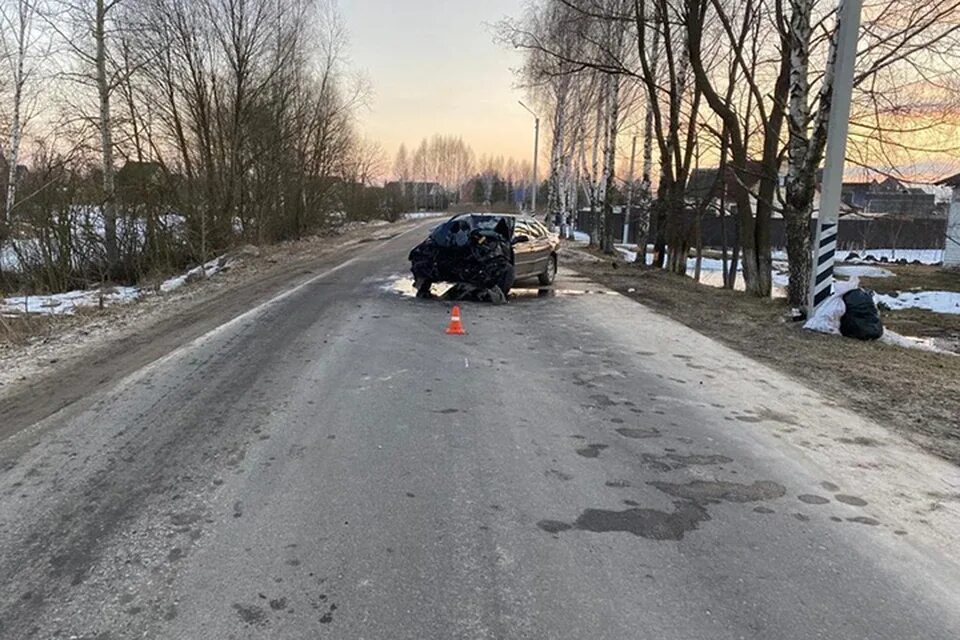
{"x": 331, "y": 465}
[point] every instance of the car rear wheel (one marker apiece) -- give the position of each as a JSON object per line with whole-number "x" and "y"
{"x": 550, "y": 274}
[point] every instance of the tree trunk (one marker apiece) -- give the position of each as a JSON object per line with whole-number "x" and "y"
{"x": 595, "y": 179}
{"x": 24, "y": 10}
{"x": 609, "y": 159}
{"x": 106, "y": 143}
{"x": 557, "y": 162}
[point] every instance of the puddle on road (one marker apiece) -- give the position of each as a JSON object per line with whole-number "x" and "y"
{"x": 644, "y": 523}
{"x": 716, "y": 491}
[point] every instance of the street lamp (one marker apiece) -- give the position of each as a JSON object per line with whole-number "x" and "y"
{"x": 536, "y": 144}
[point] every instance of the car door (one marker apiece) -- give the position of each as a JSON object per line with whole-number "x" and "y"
{"x": 540, "y": 246}
{"x": 525, "y": 250}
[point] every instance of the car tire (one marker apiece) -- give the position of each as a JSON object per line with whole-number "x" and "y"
{"x": 550, "y": 274}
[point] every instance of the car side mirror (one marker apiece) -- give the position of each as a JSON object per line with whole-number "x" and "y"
{"x": 519, "y": 239}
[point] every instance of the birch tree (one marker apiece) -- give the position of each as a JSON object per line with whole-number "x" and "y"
{"x": 919, "y": 37}
{"x": 19, "y": 40}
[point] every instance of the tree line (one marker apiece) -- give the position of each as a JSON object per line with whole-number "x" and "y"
{"x": 742, "y": 85}
{"x": 141, "y": 135}
{"x": 450, "y": 163}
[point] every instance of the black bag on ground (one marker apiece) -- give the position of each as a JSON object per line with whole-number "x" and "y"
{"x": 861, "y": 320}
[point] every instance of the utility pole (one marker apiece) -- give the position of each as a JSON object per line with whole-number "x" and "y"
{"x": 825, "y": 244}
{"x": 536, "y": 152}
{"x": 626, "y": 215}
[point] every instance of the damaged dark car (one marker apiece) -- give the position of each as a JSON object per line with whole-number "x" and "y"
{"x": 483, "y": 254}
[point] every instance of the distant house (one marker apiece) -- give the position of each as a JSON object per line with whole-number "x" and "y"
{"x": 889, "y": 197}
{"x": 951, "y": 249}
{"x": 135, "y": 181}
{"x": 703, "y": 186}
{"x": 856, "y": 194}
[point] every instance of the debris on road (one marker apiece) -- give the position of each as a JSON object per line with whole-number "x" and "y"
{"x": 466, "y": 292}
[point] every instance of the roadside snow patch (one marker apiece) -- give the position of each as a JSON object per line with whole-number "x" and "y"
{"x": 416, "y": 215}
{"x": 936, "y": 301}
{"x": 580, "y": 236}
{"x": 197, "y": 273}
{"x": 862, "y": 271}
{"x": 67, "y": 303}
{"x": 628, "y": 255}
{"x": 910, "y": 342}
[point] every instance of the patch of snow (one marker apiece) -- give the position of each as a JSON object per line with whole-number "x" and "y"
{"x": 910, "y": 342}
{"x": 936, "y": 301}
{"x": 416, "y": 215}
{"x": 862, "y": 271}
{"x": 68, "y": 303}
{"x": 628, "y": 255}
{"x": 8, "y": 259}
{"x": 580, "y": 236}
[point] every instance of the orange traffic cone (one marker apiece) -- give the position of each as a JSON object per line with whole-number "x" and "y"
{"x": 455, "y": 328}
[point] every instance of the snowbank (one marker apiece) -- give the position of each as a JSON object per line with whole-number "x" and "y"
{"x": 68, "y": 303}
{"x": 580, "y": 236}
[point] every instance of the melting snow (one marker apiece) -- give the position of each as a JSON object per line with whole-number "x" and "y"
{"x": 936, "y": 301}
{"x": 850, "y": 271}
{"x": 68, "y": 303}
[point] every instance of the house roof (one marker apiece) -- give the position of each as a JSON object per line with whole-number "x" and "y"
{"x": 952, "y": 181}
{"x": 701, "y": 181}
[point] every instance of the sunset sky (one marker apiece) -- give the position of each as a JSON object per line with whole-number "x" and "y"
{"x": 434, "y": 68}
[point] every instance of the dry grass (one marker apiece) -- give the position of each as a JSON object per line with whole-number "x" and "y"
{"x": 913, "y": 392}
{"x": 21, "y": 329}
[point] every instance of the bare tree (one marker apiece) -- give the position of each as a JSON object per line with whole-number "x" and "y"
{"x": 18, "y": 17}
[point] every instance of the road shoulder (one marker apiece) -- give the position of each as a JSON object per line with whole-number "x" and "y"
{"x": 911, "y": 392}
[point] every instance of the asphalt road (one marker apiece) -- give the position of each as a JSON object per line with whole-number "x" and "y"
{"x": 331, "y": 465}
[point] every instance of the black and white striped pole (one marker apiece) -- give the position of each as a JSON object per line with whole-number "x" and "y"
{"x": 825, "y": 244}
